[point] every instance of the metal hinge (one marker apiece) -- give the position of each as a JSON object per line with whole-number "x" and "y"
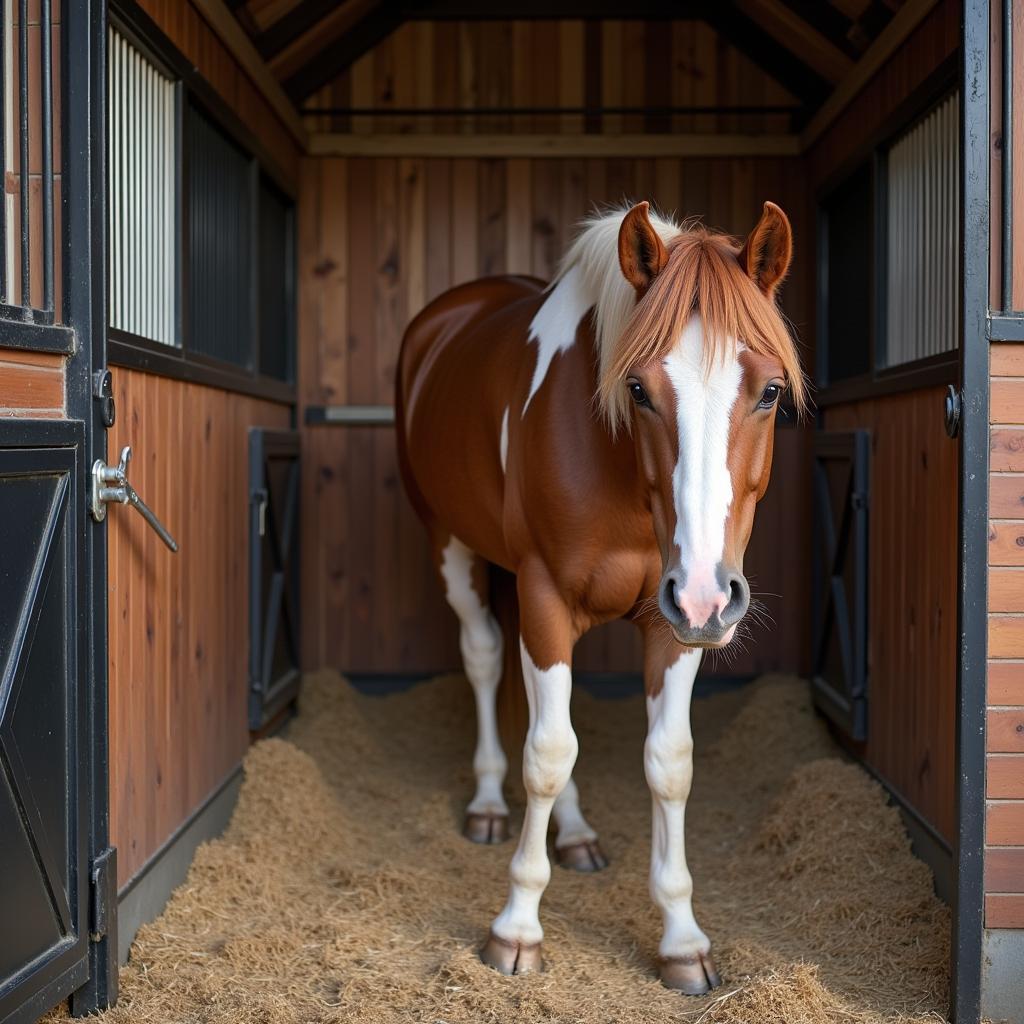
{"x": 259, "y": 499}
{"x": 103, "y": 894}
{"x": 858, "y": 500}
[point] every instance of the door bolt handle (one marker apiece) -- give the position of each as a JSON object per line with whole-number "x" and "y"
{"x": 110, "y": 484}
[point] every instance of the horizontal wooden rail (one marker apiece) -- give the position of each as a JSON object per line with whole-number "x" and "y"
{"x": 554, "y": 146}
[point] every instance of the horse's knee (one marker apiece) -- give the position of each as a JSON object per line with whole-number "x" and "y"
{"x": 668, "y": 766}
{"x": 548, "y": 759}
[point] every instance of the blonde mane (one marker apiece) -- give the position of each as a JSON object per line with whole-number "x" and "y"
{"x": 702, "y": 276}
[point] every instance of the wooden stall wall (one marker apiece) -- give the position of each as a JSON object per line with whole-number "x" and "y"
{"x": 381, "y": 237}
{"x": 179, "y": 630}
{"x": 32, "y": 384}
{"x": 913, "y": 516}
{"x": 1004, "y": 853}
{"x": 179, "y": 627}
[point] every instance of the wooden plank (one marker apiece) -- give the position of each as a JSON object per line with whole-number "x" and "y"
{"x": 1006, "y": 496}
{"x": 28, "y": 388}
{"x": 1005, "y": 777}
{"x": 241, "y": 47}
{"x": 1006, "y": 451}
{"x": 909, "y": 16}
{"x": 1004, "y": 910}
{"x": 552, "y": 146}
{"x": 1005, "y": 731}
{"x": 1005, "y": 682}
{"x": 1006, "y": 542}
{"x": 1007, "y": 400}
{"x": 1006, "y": 359}
{"x": 1004, "y": 869}
{"x": 1005, "y": 636}
{"x": 1004, "y": 823}
{"x": 1006, "y": 591}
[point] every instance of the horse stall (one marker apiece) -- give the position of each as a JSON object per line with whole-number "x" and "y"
{"x": 236, "y": 741}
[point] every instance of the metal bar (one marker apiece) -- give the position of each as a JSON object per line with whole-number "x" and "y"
{"x": 26, "y": 271}
{"x": 350, "y": 415}
{"x": 46, "y": 147}
{"x": 1006, "y": 328}
{"x": 791, "y": 108}
{"x": 1006, "y": 290}
{"x": 3, "y": 151}
{"x": 972, "y": 580}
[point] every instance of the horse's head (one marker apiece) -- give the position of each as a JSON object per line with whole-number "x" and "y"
{"x": 697, "y": 376}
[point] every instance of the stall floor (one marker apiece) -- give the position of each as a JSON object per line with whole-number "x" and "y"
{"x": 343, "y": 891}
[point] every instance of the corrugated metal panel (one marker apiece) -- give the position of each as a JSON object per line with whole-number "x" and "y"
{"x": 922, "y": 243}
{"x": 143, "y": 258}
{"x": 220, "y": 219}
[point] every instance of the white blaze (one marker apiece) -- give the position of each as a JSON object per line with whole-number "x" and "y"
{"x": 701, "y": 483}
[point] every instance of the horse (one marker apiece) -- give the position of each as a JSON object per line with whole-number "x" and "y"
{"x": 605, "y": 438}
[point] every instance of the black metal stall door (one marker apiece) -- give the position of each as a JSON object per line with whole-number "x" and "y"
{"x": 274, "y": 476}
{"x": 56, "y": 940}
{"x": 840, "y": 673}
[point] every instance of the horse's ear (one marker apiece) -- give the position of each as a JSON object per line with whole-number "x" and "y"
{"x": 768, "y": 250}
{"x": 642, "y": 253}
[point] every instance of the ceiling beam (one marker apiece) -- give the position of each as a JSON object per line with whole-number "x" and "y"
{"x": 299, "y": 20}
{"x": 806, "y": 44}
{"x": 772, "y": 57}
{"x": 830, "y": 22}
{"x": 332, "y": 52}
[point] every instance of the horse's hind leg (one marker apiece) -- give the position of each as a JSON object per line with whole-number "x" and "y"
{"x": 576, "y": 845}
{"x": 480, "y": 639}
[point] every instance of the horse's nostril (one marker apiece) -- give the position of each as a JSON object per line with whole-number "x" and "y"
{"x": 669, "y": 599}
{"x": 739, "y": 599}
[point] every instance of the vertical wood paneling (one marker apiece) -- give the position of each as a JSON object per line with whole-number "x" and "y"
{"x": 380, "y": 238}
{"x": 178, "y": 644}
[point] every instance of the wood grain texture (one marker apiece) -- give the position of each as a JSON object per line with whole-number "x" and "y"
{"x": 912, "y": 598}
{"x": 553, "y": 63}
{"x": 1005, "y": 731}
{"x": 1004, "y": 910}
{"x": 1005, "y": 591}
{"x": 1005, "y": 683}
{"x": 1006, "y": 401}
{"x": 1006, "y": 452}
{"x": 189, "y": 31}
{"x": 378, "y": 238}
{"x": 1004, "y": 822}
{"x": 1004, "y": 869}
{"x": 1005, "y": 777}
{"x": 31, "y": 384}
{"x": 178, "y": 641}
{"x": 1006, "y": 542}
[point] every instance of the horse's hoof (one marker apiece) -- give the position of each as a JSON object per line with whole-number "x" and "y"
{"x": 585, "y": 856}
{"x": 695, "y": 975}
{"x": 486, "y": 828}
{"x": 511, "y": 957}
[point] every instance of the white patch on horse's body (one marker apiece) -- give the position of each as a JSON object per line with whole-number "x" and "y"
{"x": 705, "y": 395}
{"x": 503, "y": 440}
{"x": 554, "y": 325}
{"x": 548, "y": 757}
{"x": 481, "y": 642}
{"x": 668, "y": 766}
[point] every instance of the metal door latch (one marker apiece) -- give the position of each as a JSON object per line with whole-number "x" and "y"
{"x": 953, "y": 408}
{"x": 110, "y": 483}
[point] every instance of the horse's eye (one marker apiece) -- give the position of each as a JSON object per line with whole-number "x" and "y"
{"x": 770, "y": 396}
{"x": 636, "y": 389}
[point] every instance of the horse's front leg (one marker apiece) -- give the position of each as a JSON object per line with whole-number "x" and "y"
{"x": 514, "y": 944}
{"x": 684, "y": 960}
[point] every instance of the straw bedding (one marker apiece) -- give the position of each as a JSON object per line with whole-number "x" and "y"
{"x": 343, "y": 891}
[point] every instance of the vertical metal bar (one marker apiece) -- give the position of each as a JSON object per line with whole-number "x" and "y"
{"x": 972, "y": 579}
{"x": 26, "y": 271}
{"x": 3, "y": 153}
{"x": 1006, "y": 288}
{"x": 46, "y": 147}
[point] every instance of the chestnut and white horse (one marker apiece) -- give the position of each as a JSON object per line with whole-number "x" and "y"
{"x": 605, "y": 438}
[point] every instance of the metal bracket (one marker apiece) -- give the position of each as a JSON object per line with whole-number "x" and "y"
{"x": 954, "y": 406}
{"x": 103, "y": 894}
{"x": 103, "y": 392}
{"x": 122, "y": 492}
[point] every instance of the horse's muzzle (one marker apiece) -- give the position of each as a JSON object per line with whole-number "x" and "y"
{"x": 706, "y": 619}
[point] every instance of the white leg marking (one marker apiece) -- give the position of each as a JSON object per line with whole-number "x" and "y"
{"x": 503, "y": 442}
{"x": 572, "y": 826}
{"x": 705, "y": 396}
{"x": 548, "y": 757}
{"x": 481, "y": 642}
{"x": 668, "y": 765}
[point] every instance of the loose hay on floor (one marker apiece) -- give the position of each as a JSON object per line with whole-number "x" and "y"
{"x": 342, "y": 890}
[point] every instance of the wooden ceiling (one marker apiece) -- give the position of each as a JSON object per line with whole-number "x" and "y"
{"x": 808, "y": 46}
